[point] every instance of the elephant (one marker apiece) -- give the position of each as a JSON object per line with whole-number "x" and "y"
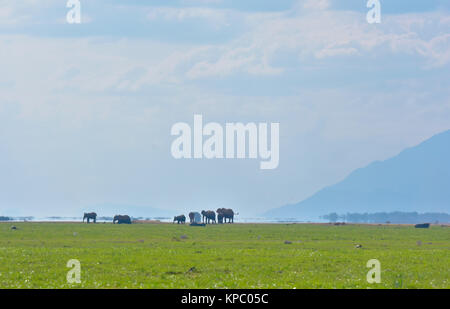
{"x": 179, "y": 219}
{"x": 90, "y": 215}
{"x": 209, "y": 215}
{"x": 220, "y": 218}
{"x": 226, "y": 214}
{"x": 192, "y": 217}
{"x": 122, "y": 219}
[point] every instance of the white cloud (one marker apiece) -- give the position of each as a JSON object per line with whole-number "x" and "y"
{"x": 311, "y": 30}
{"x": 183, "y": 14}
{"x": 327, "y": 34}
{"x": 332, "y": 52}
{"x": 311, "y": 35}
{"x": 316, "y": 4}
{"x": 9, "y": 16}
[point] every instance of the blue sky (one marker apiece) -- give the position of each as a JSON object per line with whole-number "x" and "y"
{"x": 86, "y": 110}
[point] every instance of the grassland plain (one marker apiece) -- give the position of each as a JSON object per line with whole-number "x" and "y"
{"x": 222, "y": 256}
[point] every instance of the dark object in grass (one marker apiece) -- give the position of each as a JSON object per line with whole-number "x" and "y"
{"x": 287, "y": 242}
{"x": 13, "y": 228}
{"x": 192, "y": 270}
{"x": 197, "y": 224}
{"x": 358, "y": 246}
{"x": 173, "y": 272}
{"x": 422, "y": 226}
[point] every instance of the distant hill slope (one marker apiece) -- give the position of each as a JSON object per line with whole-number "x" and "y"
{"x": 418, "y": 179}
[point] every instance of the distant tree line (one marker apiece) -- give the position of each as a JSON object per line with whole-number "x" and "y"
{"x": 5, "y": 218}
{"x": 389, "y": 217}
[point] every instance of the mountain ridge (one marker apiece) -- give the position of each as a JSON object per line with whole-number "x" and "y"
{"x": 416, "y": 179}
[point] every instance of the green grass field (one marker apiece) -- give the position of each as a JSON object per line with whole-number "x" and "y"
{"x": 222, "y": 256}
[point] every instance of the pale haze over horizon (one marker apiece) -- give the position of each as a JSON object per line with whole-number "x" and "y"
{"x": 86, "y": 109}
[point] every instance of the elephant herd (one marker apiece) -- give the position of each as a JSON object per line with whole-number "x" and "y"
{"x": 120, "y": 219}
{"x": 209, "y": 216}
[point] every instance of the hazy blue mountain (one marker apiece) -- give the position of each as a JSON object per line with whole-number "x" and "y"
{"x": 418, "y": 179}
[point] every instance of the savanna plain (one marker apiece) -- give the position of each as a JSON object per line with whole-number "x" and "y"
{"x": 35, "y": 255}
